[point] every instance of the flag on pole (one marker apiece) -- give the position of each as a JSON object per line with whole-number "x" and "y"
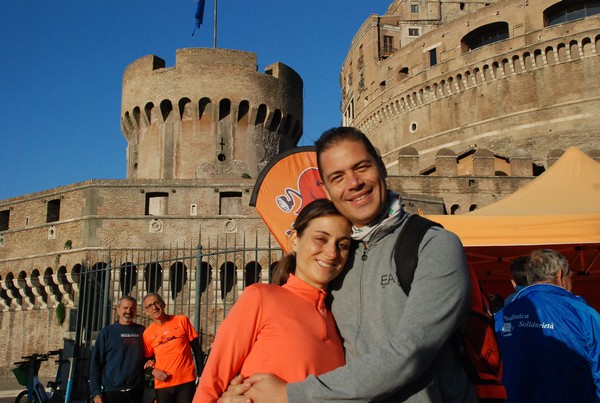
{"x": 284, "y": 187}
{"x": 199, "y": 14}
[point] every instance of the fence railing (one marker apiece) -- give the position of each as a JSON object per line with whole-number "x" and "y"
{"x": 201, "y": 282}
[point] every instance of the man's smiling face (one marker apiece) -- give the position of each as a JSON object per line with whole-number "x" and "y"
{"x": 354, "y": 181}
{"x": 154, "y": 307}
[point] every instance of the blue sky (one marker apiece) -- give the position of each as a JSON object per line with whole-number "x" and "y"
{"x": 62, "y": 61}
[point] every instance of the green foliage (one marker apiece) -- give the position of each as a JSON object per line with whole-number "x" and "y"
{"x": 61, "y": 313}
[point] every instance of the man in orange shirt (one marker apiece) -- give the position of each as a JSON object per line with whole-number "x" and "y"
{"x": 169, "y": 342}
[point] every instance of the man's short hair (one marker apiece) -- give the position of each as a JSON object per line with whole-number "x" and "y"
{"x": 127, "y": 298}
{"x": 155, "y": 294}
{"x": 518, "y": 270}
{"x": 544, "y": 265}
{"x": 337, "y": 135}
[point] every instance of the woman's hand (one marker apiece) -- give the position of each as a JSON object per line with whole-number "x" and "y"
{"x": 235, "y": 391}
{"x": 267, "y": 388}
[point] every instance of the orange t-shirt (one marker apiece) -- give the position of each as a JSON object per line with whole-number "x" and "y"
{"x": 169, "y": 342}
{"x": 286, "y": 331}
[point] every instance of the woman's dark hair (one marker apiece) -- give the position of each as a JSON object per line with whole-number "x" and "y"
{"x": 316, "y": 209}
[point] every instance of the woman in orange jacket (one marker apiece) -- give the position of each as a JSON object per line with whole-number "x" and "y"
{"x": 285, "y": 330}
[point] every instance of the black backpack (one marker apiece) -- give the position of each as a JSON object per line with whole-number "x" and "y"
{"x": 476, "y": 345}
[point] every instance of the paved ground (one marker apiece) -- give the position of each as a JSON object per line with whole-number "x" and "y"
{"x": 10, "y": 388}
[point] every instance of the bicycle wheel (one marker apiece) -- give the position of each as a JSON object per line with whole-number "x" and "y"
{"x": 20, "y": 396}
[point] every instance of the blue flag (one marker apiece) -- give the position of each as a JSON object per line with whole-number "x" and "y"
{"x": 199, "y": 14}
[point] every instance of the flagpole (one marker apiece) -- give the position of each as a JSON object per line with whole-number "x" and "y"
{"x": 215, "y": 27}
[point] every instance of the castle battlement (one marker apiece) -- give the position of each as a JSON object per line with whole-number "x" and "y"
{"x": 212, "y": 115}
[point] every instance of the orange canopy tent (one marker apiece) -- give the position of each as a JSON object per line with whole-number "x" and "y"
{"x": 559, "y": 210}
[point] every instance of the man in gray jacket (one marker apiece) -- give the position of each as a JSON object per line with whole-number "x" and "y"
{"x": 398, "y": 347}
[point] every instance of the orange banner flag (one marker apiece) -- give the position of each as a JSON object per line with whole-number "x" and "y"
{"x": 284, "y": 187}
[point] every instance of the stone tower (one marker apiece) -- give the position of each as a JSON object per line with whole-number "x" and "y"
{"x": 212, "y": 116}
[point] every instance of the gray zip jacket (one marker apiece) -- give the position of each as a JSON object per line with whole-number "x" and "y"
{"x": 397, "y": 347}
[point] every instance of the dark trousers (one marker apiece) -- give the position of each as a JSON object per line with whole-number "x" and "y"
{"x": 183, "y": 393}
{"x": 135, "y": 395}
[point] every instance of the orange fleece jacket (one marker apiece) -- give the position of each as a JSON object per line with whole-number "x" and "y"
{"x": 286, "y": 331}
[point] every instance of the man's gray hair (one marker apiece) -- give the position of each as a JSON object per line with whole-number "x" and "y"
{"x": 127, "y": 298}
{"x": 157, "y": 295}
{"x": 544, "y": 266}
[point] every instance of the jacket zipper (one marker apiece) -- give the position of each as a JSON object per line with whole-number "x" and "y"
{"x": 365, "y": 250}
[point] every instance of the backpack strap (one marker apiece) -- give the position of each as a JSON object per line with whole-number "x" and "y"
{"x": 406, "y": 251}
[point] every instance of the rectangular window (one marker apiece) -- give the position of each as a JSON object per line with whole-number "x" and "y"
{"x": 432, "y": 57}
{"x": 53, "y": 211}
{"x": 413, "y": 31}
{"x": 230, "y": 203}
{"x": 4, "y": 219}
{"x": 388, "y": 45}
{"x": 414, "y": 8}
{"x": 157, "y": 203}
{"x": 361, "y": 57}
{"x": 349, "y": 113}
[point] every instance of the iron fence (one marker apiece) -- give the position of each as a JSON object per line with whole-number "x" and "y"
{"x": 201, "y": 282}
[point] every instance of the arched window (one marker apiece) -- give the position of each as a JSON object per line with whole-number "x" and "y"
{"x": 177, "y": 278}
{"x": 127, "y": 277}
{"x": 485, "y": 35}
{"x": 153, "y": 274}
{"x": 224, "y": 109}
{"x": 205, "y": 276}
{"x": 252, "y": 273}
{"x": 564, "y": 11}
{"x": 227, "y": 277}
{"x": 166, "y": 106}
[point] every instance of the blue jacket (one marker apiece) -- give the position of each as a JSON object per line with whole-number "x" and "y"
{"x": 512, "y": 296}
{"x": 550, "y": 346}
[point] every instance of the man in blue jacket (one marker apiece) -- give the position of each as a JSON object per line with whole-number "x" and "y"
{"x": 549, "y": 338}
{"x": 117, "y": 364}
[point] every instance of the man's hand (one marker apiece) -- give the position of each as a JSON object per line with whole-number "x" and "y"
{"x": 267, "y": 388}
{"x": 98, "y": 399}
{"x": 160, "y": 375}
{"x": 149, "y": 364}
{"x": 235, "y": 391}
